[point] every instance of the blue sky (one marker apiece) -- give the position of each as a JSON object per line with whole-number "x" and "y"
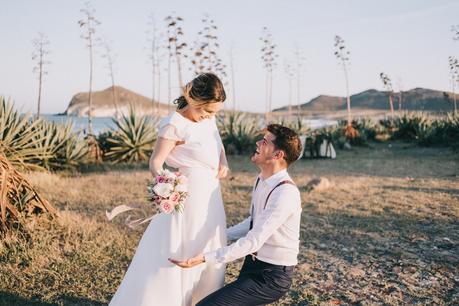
{"x": 409, "y": 39}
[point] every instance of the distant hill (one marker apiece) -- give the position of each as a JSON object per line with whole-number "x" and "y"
{"x": 103, "y": 106}
{"x": 420, "y": 99}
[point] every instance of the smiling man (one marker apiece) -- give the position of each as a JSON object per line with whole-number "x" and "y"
{"x": 269, "y": 237}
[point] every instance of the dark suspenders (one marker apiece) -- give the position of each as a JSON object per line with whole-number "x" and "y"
{"x": 267, "y": 198}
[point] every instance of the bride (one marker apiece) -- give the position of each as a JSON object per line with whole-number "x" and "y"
{"x": 189, "y": 141}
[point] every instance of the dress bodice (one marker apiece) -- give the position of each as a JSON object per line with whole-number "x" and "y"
{"x": 201, "y": 146}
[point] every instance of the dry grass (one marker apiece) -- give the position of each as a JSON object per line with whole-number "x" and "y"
{"x": 385, "y": 232}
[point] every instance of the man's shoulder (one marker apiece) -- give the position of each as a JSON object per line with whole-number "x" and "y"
{"x": 286, "y": 186}
{"x": 287, "y": 179}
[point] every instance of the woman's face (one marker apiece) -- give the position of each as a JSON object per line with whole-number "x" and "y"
{"x": 206, "y": 111}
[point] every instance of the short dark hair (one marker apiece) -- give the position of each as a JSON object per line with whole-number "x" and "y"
{"x": 286, "y": 140}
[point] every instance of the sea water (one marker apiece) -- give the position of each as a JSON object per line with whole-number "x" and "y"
{"x": 101, "y": 124}
{"x": 80, "y": 124}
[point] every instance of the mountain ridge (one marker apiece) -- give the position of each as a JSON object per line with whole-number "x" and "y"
{"x": 418, "y": 98}
{"x": 103, "y": 104}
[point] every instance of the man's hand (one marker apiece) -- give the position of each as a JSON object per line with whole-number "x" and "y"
{"x": 189, "y": 263}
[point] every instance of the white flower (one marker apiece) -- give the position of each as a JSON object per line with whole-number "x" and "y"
{"x": 163, "y": 189}
{"x": 169, "y": 174}
{"x": 181, "y": 188}
{"x": 182, "y": 179}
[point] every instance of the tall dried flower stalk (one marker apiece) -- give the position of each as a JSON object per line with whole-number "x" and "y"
{"x": 268, "y": 56}
{"x": 387, "y": 83}
{"x": 39, "y": 56}
{"x": 89, "y": 24}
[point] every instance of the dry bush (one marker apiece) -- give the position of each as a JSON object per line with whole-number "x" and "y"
{"x": 18, "y": 198}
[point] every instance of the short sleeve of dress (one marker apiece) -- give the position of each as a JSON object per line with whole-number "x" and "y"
{"x": 172, "y": 128}
{"x": 216, "y": 131}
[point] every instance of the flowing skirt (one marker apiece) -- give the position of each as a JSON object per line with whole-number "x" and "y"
{"x": 151, "y": 280}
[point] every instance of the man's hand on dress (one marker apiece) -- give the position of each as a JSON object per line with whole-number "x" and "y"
{"x": 189, "y": 263}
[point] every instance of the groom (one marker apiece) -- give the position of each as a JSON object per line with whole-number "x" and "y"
{"x": 269, "y": 237}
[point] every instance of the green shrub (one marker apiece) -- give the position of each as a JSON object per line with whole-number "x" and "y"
{"x": 367, "y": 129}
{"x": 411, "y": 127}
{"x": 362, "y": 130}
{"x": 443, "y": 132}
{"x": 238, "y": 132}
{"x": 18, "y": 134}
{"x": 102, "y": 140}
{"x": 37, "y": 144}
{"x": 450, "y": 131}
{"x": 67, "y": 148}
{"x": 132, "y": 141}
{"x": 296, "y": 124}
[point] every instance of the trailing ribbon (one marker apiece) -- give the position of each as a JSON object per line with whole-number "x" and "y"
{"x": 133, "y": 224}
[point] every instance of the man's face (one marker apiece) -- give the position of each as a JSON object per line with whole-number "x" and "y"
{"x": 265, "y": 151}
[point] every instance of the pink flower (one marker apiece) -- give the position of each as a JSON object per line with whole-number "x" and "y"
{"x": 166, "y": 206}
{"x": 174, "y": 197}
{"x": 157, "y": 200}
{"x": 161, "y": 179}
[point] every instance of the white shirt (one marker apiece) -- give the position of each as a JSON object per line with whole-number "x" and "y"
{"x": 275, "y": 235}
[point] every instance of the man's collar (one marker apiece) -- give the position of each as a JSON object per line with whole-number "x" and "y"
{"x": 275, "y": 178}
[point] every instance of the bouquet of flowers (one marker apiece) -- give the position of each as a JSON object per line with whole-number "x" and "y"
{"x": 168, "y": 191}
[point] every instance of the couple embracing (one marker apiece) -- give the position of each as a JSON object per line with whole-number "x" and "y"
{"x": 180, "y": 260}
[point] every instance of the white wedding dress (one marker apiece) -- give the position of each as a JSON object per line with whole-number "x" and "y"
{"x": 151, "y": 280}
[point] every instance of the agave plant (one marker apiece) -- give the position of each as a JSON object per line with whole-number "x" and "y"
{"x": 411, "y": 127}
{"x": 451, "y": 130}
{"x": 132, "y": 141}
{"x": 18, "y": 134}
{"x": 296, "y": 125}
{"x": 102, "y": 140}
{"x": 366, "y": 130}
{"x": 443, "y": 132}
{"x": 238, "y": 132}
{"x": 74, "y": 151}
{"x": 38, "y": 144}
{"x": 67, "y": 149}
{"x": 354, "y": 133}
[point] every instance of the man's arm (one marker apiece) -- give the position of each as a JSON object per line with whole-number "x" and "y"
{"x": 281, "y": 205}
{"x": 235, "y": 232}
{"x": 279, "y": 208}
{"x": 239, "y": 230}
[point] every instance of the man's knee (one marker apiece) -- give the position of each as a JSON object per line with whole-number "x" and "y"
{"x": 211, "y": 300}
{"x": 226, "y": 296}
{"x": 202, "y": 303}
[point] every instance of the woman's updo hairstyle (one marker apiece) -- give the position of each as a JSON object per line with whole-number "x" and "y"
{"x": 203, "y": 89}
